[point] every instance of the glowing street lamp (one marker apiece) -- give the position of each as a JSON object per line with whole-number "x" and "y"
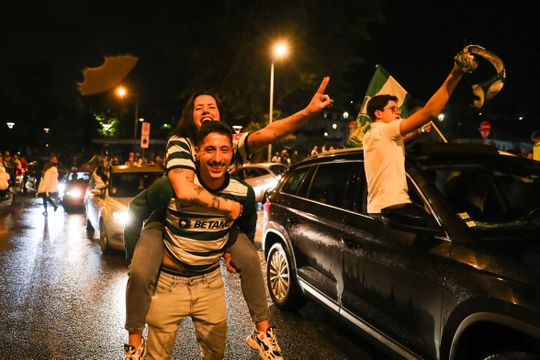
{"x": 121, "y": 92}
{"x": 10, "y": 124}
{"x": 279, "y": 51}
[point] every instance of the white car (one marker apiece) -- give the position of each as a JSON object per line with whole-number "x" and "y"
{"x": 263, "y": 177}
{"x": 106, "y": 207}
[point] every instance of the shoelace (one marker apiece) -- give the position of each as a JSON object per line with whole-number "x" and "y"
{"x": 273, "y": 341}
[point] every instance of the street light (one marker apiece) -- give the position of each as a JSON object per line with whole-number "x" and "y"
{"x": 279, "y": 51}
{"x": 121, "y": 92}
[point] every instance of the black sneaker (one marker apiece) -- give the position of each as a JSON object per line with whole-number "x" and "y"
{"x": 266, "y": 343}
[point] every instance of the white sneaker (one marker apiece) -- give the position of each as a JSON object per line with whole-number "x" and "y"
{"x": 266, "y": 343}
{"x": 135, "y": 353}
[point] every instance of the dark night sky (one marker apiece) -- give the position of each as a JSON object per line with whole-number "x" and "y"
{"x": 415, "y": 44}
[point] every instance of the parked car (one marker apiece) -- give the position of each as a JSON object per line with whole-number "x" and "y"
{"x": 106, "y": 206}
{"x": 263, "y": 177}
{"x": 73, "y": 189}
{"x": 454, "y": 275}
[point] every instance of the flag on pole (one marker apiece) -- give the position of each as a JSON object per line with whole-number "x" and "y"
{"x": 381, "y": 83}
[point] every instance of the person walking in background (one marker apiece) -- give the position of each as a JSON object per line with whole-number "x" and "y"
{"x": 285, "y": 160}
{"x": 315, "y": 150}
{"x": 49, "y": 183}
{"x": 276, "y": 158}
{"x": 158, "y": 160}
{"x": 295, "y": 156}
{"x": 4, "y": 178}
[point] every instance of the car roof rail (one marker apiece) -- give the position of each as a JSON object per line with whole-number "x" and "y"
{"x": 452, "y": 148}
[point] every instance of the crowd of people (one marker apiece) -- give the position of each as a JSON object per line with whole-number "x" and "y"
{"x": 294, "y": 156}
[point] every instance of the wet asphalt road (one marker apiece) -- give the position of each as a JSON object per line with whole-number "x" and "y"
{"x": 62, "y": 299}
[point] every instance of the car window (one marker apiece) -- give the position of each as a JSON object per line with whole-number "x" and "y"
{"x": 278, "y": 169}
{"x": 489, "y": 193}
{"x": 130, "y": 184}
{"x": 254, "y": 172}
{"x": 356, "y": 196}
{"x": 294, "y": 181}
{"x": 82, "y": 176}
{"x": 331, "y": 182}
{"x": 240, "y": 174}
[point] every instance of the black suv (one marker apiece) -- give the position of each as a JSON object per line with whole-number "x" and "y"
{"x": 454, "y": 275}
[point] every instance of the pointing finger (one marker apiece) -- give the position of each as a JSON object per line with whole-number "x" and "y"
{"x": 322, "y": 87}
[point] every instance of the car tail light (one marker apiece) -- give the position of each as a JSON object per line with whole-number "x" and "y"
{"x": 266, "y": 211}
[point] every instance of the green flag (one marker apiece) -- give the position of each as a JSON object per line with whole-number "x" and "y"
{"x": 381, "y": 83}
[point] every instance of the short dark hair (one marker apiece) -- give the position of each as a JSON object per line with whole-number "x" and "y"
{"x": 185, "y": 126}
{"x": 213, "y": 126}
{"x": 378, "y": 102}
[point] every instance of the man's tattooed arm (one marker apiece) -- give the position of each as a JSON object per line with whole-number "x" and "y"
{"x": 182, "y": 181}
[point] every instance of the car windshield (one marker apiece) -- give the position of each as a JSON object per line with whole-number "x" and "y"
{"x": 79, "y": 177}
{"x": 491, "y": 193}
{"x": 278, "y": 169}
{"x": 129, "y": 184}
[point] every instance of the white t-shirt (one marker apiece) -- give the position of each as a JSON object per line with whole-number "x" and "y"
{"x": 384, "y": 163}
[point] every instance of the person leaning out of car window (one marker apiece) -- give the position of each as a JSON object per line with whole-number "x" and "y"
{"x": 384, "y": 151}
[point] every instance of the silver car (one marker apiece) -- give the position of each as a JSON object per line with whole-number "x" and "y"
{"x": 106, "y": 202}
{"x": 263, "y": 177}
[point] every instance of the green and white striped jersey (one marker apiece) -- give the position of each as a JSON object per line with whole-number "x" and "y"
{"x": 196, "y": 237}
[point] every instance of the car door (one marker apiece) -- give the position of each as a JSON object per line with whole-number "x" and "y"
{"x": 315, "y": 230}
{"x": 394, "y": 280}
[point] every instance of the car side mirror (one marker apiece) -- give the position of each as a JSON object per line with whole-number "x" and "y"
{"x": 411, "y": 218}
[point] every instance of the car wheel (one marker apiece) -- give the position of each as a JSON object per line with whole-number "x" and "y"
{"x": 103, "y": 238}
{"x": 281, "y": 279}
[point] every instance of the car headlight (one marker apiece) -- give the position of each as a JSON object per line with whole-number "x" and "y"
{"x": 74, "y": 194}
{"x": 120, "y": 217}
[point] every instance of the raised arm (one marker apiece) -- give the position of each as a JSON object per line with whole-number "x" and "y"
{"x": 261, "y": 138}
{"x": 464, "y": 62}
{"x": 435, "y": 105}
